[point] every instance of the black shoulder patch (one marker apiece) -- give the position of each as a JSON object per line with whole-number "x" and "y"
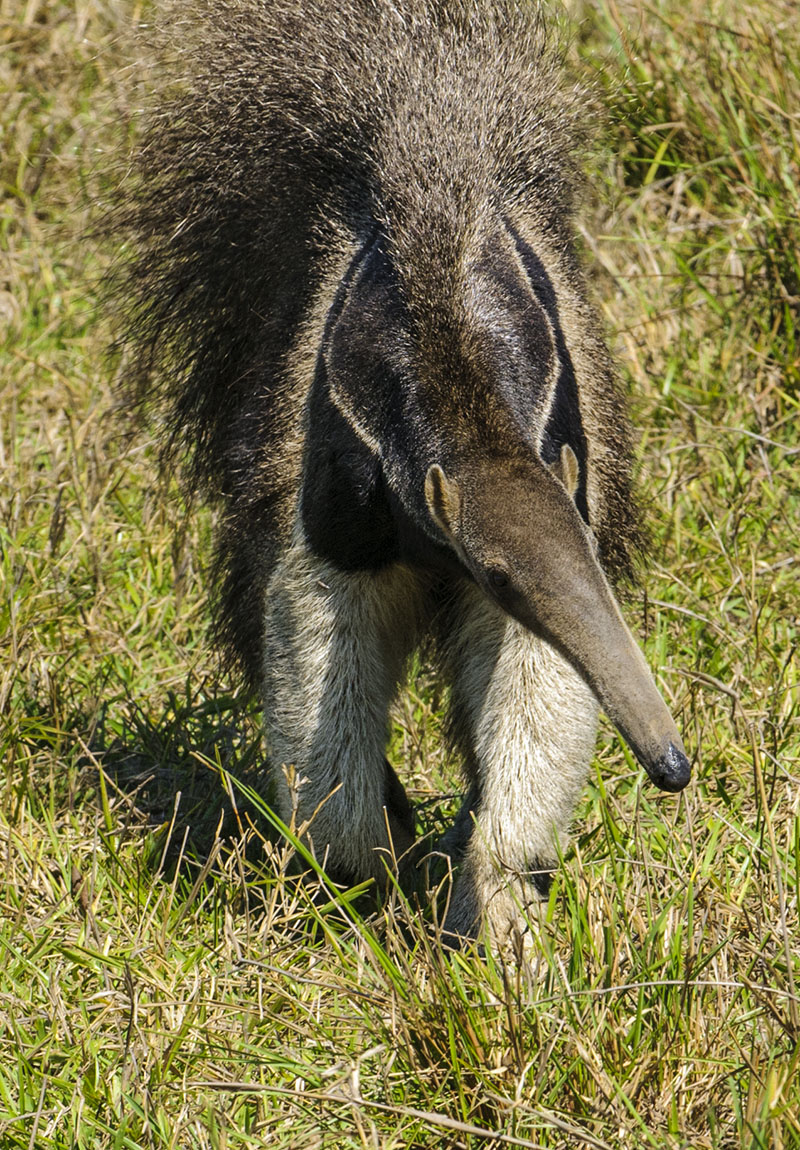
{"x": 345, "y": 507}
{"x": 564, "y": 423}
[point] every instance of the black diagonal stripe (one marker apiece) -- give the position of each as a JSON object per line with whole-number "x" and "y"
{"x": 564, "y": 423}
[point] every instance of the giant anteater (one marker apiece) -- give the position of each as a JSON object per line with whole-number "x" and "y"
{"x": 353, "y": 285}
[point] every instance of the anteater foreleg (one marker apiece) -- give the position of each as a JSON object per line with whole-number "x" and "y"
{"x": 526, "y": 724}
{"x": 336, "y": 646}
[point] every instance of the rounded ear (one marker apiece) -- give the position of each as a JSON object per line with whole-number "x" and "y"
{"x": 443, "y": 499}
{"x": 567, "y": 469}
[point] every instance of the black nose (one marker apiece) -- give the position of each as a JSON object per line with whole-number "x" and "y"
{"x": 672, "y": 771}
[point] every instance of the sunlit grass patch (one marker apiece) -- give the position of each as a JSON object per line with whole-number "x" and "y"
{"x": 165, "y": 978}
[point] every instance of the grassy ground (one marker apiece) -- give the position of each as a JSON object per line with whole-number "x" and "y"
{"x": 161, "y": 983}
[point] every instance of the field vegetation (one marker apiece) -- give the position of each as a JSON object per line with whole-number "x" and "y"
{"x": 164, "y": 981}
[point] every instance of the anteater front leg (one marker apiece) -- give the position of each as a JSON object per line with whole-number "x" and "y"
{"x": 336, "y": 644}
{"x": 526, "y": 724}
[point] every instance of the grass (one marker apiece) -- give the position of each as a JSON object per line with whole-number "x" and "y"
{"x": 164, "y": 981}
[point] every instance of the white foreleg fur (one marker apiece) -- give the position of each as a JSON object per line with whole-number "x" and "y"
{"x": 336, "y": 645}
{"x": 531, "y": 728}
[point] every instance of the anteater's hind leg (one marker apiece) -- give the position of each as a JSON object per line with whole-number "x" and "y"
{"x": 526, "y": 723}
{"x": 335, "y": 649}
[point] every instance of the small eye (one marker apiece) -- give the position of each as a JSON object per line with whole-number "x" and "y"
{"x": 498, "y": 578}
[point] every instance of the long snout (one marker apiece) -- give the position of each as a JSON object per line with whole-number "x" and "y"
{"x": 627, "y": 693}
{"x": 581, "y": 617}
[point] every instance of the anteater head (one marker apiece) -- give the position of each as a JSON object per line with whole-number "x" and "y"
{"x": 515, "y": 527}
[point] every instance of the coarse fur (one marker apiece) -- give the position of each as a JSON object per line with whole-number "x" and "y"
{"x": 355, "y": 293}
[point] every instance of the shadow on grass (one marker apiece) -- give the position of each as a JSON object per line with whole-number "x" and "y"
{"x": 169, "y": 768}
{"x": 189, "y": 780}
{"x": 180, "y": 787}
